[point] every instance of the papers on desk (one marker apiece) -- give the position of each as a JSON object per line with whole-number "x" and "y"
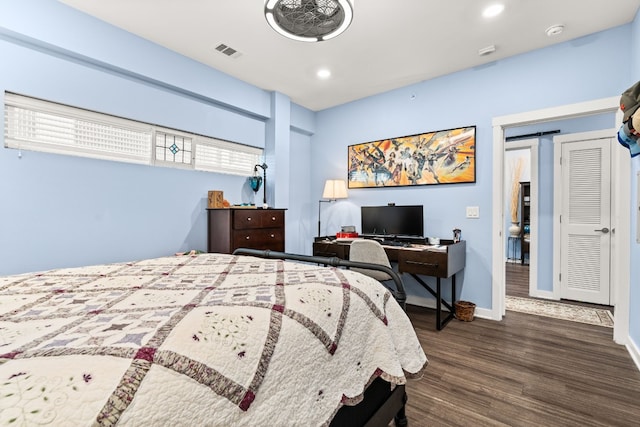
{"x": 433, "y": 248}
{"x": 436, "y": 248}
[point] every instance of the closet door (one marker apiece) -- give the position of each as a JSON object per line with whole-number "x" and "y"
{"x": 586, "y": 221}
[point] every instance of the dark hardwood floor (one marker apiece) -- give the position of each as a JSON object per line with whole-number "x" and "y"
{"x": 517, "y": 285}
{"x": 517, "y": 279}
{"x": 523, "y": 371}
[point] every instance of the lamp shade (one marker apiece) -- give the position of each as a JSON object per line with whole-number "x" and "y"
{"x": 335, "y": 189}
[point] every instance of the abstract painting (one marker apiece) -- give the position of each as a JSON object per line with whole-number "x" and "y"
{"x": 441, "y": 157}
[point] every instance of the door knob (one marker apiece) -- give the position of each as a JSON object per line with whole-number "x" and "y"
{"x": 605, "y": 230}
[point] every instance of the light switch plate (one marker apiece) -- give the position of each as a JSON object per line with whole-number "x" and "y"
{"x": 473, "y": 212}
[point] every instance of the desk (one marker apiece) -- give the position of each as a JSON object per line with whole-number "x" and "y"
{"x": 415, "y": 261}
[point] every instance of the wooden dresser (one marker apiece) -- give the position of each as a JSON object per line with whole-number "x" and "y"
{"x": 229, "y": 229}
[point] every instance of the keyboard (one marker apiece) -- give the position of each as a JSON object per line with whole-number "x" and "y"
{"x": 393, "y": 243}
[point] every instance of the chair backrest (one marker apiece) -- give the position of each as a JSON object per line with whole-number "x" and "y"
{"x": 367, "y": 250}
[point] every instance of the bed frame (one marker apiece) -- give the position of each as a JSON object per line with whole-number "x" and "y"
{"x": 380, "y": 404}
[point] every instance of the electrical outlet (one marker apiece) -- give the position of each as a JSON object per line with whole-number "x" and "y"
{"x": 473, "y": 212}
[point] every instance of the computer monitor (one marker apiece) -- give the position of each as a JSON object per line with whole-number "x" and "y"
{"x": 392, "y": 220}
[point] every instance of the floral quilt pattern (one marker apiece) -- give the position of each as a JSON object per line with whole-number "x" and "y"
{"x": 206, "y": 339}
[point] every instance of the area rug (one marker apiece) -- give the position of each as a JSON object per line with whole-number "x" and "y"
{"x": 557, "y": 310}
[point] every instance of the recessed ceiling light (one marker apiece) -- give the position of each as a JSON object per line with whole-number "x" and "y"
{"x": 493, "y": 10}
{"x": 323, "y": 74}
{"x": 554, "y": 30}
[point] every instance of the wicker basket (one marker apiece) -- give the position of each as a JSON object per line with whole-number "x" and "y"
{"x": 464, "y": 310}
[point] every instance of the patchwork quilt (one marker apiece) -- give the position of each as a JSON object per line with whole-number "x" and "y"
{"x": 202, "y": 340}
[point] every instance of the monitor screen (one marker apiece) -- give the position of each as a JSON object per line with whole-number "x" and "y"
{"x": 392, "y": 220}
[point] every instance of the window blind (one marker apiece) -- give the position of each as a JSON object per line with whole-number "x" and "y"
{"x": 34, "y": 124}
{"x": 39, "y": 125}
{"x": 226, "y": 157}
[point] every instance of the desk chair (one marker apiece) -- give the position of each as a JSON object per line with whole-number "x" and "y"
{"x": 365, "y": 250}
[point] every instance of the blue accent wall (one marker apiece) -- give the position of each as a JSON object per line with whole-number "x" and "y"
{"x": 58, "y": 211}
{"x": 571, "y": 72}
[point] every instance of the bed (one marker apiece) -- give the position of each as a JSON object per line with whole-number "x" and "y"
{"x": 205, "y": 339}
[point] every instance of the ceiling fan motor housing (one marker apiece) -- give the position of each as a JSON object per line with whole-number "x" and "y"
{"x": 309, "y": 20}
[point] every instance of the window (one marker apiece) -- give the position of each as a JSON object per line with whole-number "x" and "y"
{"x": 37, "y": 125}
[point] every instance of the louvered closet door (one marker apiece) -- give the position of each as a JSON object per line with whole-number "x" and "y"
{"x": 586, "y": 221}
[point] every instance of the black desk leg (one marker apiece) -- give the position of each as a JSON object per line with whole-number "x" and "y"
{"x": 438, "y": 304}
{"x": 437, "y": 293}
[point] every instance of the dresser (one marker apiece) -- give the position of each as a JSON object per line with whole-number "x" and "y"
{"x": 229, "y": 229}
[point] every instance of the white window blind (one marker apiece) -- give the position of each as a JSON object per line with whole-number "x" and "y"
{"x": 34, "y": 124}
{"x": 38, "y": 125}
{"x": 226, "y": 157}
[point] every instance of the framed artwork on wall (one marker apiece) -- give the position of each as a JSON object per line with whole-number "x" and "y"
{"x": 441, "y": 157}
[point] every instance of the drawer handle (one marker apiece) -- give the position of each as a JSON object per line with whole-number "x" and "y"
{"x": 273, "y": 218}
{"x": 426, "y": 264}
{"x": 248, "y": 218}
{"x": 247, "y": 237}
{"x": 273, "y": 235}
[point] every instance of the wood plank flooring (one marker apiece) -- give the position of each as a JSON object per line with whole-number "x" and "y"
{"x": 523, "y": 371}
{"x": 517, "y": 285}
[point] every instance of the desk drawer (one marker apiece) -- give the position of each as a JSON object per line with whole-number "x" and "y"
{"x": 424, "y": 263}
{"x": 331, "y": 250}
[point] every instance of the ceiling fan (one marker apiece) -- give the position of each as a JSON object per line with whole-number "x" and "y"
{"x": 309, "y": 20}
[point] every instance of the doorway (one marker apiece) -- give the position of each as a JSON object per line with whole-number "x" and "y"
{"x": 522, "y": 267}
{"x": 621, "y": 190}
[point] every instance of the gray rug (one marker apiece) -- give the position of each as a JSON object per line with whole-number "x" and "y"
{"x": 557, "y": 310}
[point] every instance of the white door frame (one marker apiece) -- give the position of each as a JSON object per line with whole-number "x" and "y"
{"x": 557, "y": 203}
{"x": 621, "y": 197}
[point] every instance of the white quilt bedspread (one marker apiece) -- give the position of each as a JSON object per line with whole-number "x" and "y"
{"x": 204, "y": 340}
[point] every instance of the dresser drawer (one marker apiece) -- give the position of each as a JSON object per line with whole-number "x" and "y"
{"x": 265, "y": 238}
{"x": 272, "y": 219}
{"x": 251, "y": 219}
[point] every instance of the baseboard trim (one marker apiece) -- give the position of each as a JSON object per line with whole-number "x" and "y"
{"x": 482, "y": 313}
{"x": 633, "y": 350}
{"x": 545, "y": 295}
{"x": 422, "y": 302}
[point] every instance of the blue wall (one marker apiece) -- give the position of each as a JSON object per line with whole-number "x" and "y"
{"x": 571, "y": 72}
{"x": 65, "y": 211}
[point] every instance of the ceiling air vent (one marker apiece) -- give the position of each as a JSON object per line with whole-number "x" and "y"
{"x": 227, "y": 50}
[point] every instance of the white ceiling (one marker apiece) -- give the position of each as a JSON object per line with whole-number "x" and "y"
{"x": 390, "y": 43}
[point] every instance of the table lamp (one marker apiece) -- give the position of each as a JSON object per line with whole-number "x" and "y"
{"x": 333, "y": 189}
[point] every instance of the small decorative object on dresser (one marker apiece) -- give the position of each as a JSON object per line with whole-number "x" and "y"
{"x": 216, "y": 199}
{"x": 457, "y": 235}
{"x": 233, "y": 228}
